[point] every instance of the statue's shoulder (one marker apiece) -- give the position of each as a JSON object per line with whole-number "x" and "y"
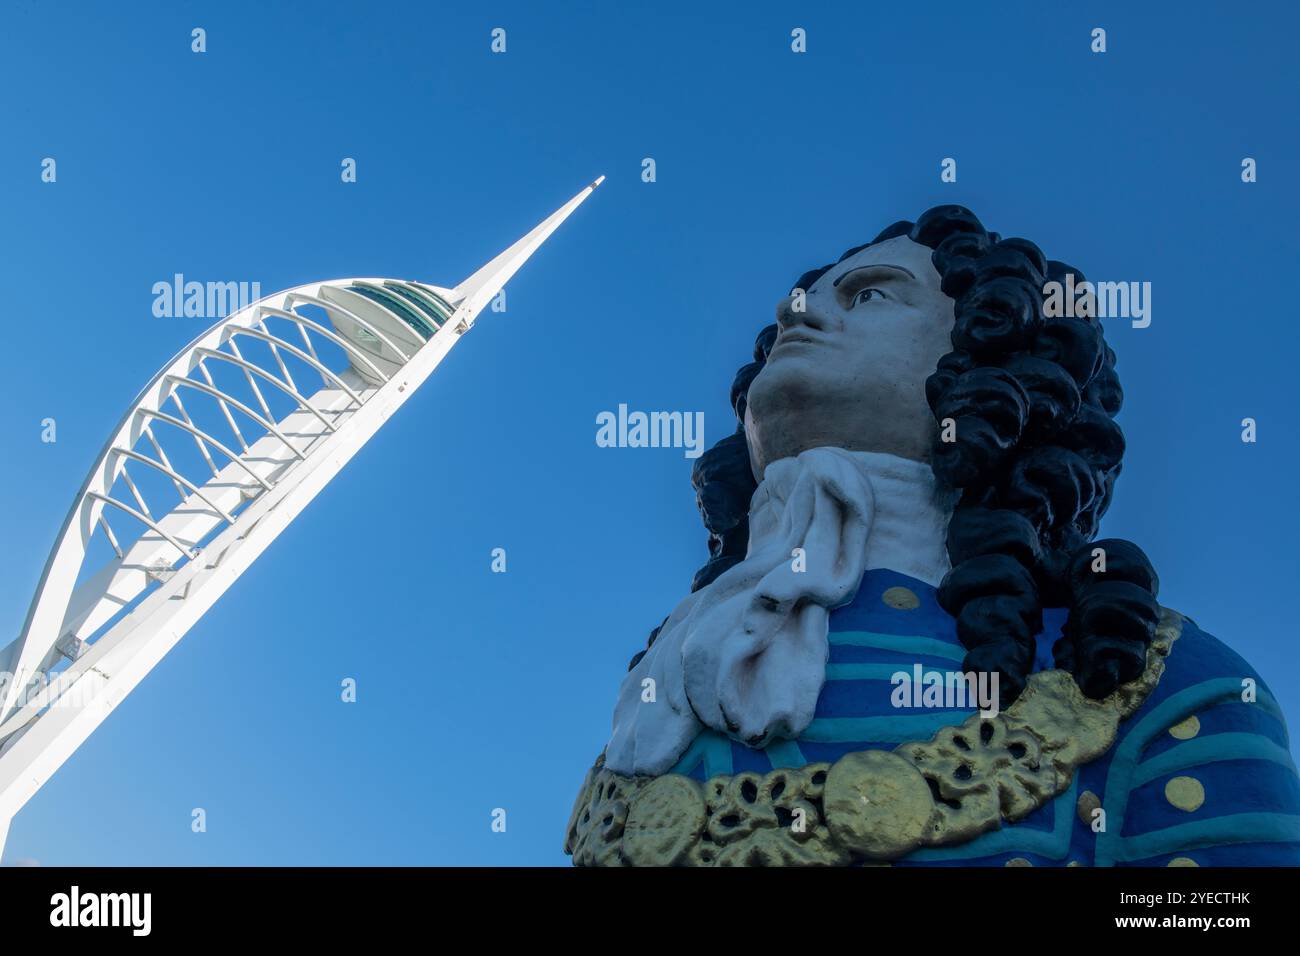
{"x": 1202, "y": 772}
{"x": 1202, "y": 671}
{"x": 1204, "y": 687}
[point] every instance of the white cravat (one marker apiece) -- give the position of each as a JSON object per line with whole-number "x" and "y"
{"x": 746, "y": 656}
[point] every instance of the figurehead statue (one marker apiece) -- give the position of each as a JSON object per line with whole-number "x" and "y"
{"x": 909, "y": 645}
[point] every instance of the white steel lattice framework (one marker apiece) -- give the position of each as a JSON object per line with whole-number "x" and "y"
{"x": 266, "y": 445}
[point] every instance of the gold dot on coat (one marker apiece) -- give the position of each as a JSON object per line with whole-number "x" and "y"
{"x": 1182, "y": 861}
{"x": 1187, "y": 729}
{"x": 1186, "y": 793}
{"x": 901, "y": 599}
{"x": 1087, "y": 802}
{"x": 1017, "y": 861}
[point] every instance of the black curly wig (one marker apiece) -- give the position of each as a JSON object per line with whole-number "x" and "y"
{"x": 1031, "y": 399}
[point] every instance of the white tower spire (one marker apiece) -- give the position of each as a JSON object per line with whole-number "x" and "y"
{"x": 231, "y": 428}
{"x": 478, "y": 289}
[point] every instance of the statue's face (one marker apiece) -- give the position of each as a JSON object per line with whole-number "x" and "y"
{"x": 849, "y": 370}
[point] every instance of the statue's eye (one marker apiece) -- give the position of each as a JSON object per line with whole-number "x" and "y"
{"x": 866, "y": 295}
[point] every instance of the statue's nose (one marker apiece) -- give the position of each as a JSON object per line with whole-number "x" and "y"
{"x": 796, "y": 310}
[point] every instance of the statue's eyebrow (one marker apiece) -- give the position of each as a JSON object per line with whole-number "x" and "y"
{"x": 874, "y": 265}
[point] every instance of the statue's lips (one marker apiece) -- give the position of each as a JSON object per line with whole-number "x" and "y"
{"x": 795, "y": 338}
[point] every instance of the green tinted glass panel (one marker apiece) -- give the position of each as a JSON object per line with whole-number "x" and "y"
{"x": 397, "y": 305}
{"x": 426, "y": 306}
{"x": 435, "y": 297}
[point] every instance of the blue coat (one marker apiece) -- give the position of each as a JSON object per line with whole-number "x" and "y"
{"x": 1236, "y": 796}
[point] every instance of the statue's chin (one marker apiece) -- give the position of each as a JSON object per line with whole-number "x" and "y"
{"x": 786, "y": 414}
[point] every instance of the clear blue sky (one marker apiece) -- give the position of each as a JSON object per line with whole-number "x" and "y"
{"x": 481, "y": 690}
